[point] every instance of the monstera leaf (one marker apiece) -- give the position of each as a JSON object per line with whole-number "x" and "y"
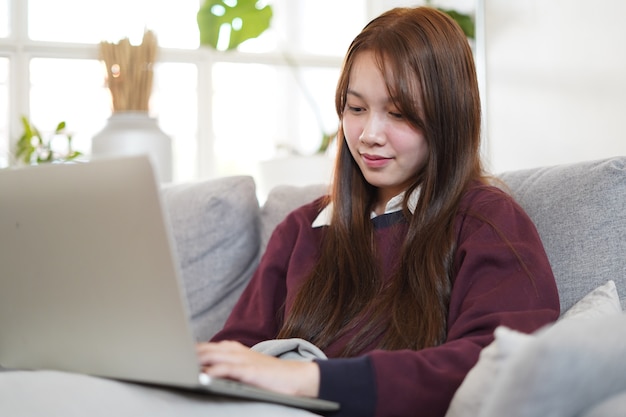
{"x": 464, "y": 20}
{"x": 242, "y": 19}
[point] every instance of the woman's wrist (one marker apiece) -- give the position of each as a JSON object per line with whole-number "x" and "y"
{"x": 310, "y": 386}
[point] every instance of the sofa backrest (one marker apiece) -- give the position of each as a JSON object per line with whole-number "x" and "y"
{"x": 580, "y": 212}
{"x": 281, "y": 201}
{"x": 215, "y": 227}
{"x": 220, "y": 231}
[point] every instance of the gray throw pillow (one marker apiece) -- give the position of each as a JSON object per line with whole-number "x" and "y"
{"x": 480, "y": 382}
{"x": 563, "y": 371}
{"x": 215, "y": 226}
{"x": 611, "y": 407}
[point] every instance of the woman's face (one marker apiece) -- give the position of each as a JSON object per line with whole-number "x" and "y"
{"x": 388, "y": 150}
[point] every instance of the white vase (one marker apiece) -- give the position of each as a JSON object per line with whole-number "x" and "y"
{"x": 133, "y": 133}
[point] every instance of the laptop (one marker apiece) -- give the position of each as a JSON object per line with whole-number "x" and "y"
{"x": 90, "y": 283}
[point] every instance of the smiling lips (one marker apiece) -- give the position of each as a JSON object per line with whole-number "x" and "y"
{"x": 375, "y": 161}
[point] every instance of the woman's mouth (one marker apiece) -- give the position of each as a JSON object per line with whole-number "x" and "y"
{"x": 375, "y": 161}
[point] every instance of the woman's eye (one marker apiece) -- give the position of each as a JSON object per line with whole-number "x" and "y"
{"x": 396, "y": 115}
{"x": 355, "y": 109}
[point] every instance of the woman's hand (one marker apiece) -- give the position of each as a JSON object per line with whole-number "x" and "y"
{"x": 235, "y": 361}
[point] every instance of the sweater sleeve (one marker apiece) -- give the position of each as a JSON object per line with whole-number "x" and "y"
{"x": 502, "y": 278}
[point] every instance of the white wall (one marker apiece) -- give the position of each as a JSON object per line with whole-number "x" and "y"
{"x": 555, "y": 81}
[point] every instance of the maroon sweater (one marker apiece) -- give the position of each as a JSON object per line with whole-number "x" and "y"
{"x": 491, "y": 288}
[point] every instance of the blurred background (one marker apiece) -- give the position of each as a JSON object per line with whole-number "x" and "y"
{"x": 551, "y": 74}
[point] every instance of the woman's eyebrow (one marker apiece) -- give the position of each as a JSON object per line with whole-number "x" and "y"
{"x": 360, "y": 96}
{"x": 353, "y": 93}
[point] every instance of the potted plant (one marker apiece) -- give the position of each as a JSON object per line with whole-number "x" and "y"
{"x": 131, "y": 129}
{"x": 34, "y": 147}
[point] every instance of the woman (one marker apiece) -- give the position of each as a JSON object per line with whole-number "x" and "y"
{"x": 402, "y": 274}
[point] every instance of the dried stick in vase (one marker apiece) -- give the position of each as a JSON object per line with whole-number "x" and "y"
{"x": 149, "y": 52}
{"x": 129, "y": 72}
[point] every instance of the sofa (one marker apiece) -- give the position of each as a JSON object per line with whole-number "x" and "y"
{"x": 574, "y": 367}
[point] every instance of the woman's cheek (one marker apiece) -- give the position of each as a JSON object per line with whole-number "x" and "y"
{"x": 351, "y": 131}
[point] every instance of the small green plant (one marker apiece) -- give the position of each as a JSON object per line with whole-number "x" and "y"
{"x": 35, "y": 148}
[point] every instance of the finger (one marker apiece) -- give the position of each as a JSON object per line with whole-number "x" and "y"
{"x": 231, "y": 371}
{"x": 230, "y": 352}
{"x": 226, "y": 345}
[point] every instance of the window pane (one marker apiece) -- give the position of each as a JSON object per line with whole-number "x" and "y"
{"x": 261, "y": 111}
{"x": 69, "y": 90}
{"x": 82, "y": 21}
{"x": 248, "y": 115}
{"x": 4, "y": 113}
{"x": 327, "y": 27}
{"x": 5, "y": 29}
{"x": 174, "y": 102}
{"x": 315, "y": 108}
{"x": 324, "y": 27}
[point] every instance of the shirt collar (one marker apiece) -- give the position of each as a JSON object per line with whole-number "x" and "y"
{"x": 393, "y": 205}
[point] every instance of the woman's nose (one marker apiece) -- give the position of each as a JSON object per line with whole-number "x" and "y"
{"x": 373, "y": 131}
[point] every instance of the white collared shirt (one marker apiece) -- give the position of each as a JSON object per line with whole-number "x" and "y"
{"x": 393, "y": 205}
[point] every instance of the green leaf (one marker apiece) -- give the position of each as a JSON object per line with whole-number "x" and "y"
{"x": 25, "y": 147}
{"x": 244, "y": 19}
{"x": 28, "y": 131}
{"x": 73, "y": 155}
{"x": 59, "y": 128}
{"x": 464, "y": 20}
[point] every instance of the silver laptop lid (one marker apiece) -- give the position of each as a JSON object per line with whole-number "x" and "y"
{"x": 88, "y": 280}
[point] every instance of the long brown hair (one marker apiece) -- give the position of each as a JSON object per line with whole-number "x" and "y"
{"x": 433, "y": 83}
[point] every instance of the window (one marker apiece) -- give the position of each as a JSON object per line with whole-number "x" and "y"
{"x": 4, "y": 112}
{"x": 57, "y": 75}
{"x": 225, "y": 112}
{"x": 69, "y": 90}
{"x": 4, "y": 18}
{"x": 93, "y": 21}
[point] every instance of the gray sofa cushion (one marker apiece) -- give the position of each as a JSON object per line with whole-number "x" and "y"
{"x": 579, "y": 211}
{"x": 216, "y": 232}
{"x": 281, "y": 201}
